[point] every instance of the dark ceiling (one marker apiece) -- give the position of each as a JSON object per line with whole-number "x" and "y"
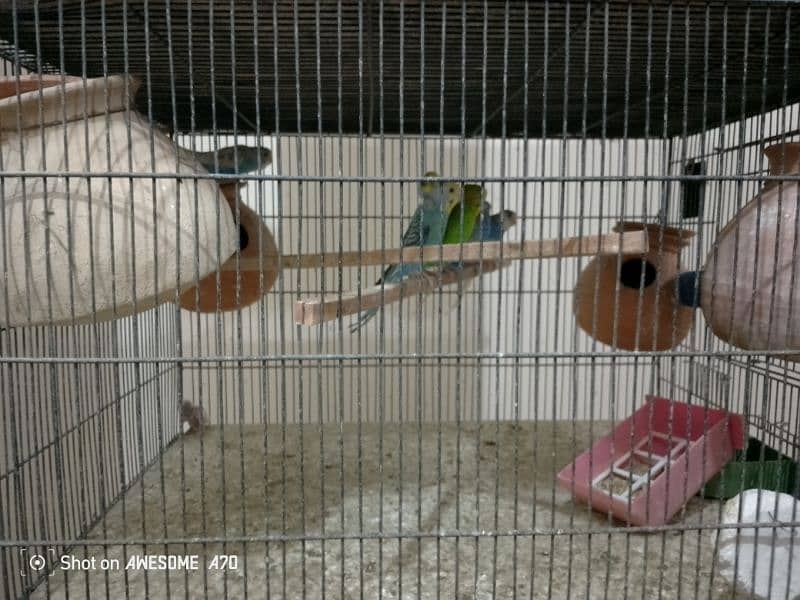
{"x": 596, "y": 69}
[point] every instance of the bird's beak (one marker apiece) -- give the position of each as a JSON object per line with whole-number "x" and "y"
{"x": 510, "y": 219}
{"x": 426, "y": 187}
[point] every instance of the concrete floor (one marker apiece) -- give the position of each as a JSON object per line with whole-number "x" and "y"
{"x": 225, "y": 484}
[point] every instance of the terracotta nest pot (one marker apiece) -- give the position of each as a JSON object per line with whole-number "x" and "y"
{"x": 750, "y": 285}
{"x": 636, "y": 305}
{"x": 238, "y": 289}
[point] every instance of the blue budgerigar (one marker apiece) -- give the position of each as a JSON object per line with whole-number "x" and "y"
{"x": 426, "y": 228}
{"x": 492, "y": 227}
{"x": 231, "y": 160}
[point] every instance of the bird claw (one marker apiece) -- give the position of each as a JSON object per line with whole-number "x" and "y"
{"x": 431, "y": 277}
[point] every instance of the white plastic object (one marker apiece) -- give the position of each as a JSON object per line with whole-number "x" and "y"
{"x": 763, "y": 562}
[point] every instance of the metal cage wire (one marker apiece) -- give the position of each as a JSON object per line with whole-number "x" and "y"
{"x": 416, "y": 457}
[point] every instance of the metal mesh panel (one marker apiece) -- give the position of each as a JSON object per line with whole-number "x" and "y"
{"x": 418, "y": 456}
{"x": 350, "y": 55}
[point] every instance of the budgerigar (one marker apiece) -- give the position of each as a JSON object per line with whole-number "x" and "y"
{"x": 492, "y": 227}
{"x": 231, "y": 160}
{"x": 486, "y": 228}
{"x": 463, "y": 218}
{"x": 426, "y": 228}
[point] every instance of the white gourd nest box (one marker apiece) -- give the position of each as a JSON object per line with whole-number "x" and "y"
{"x": 74, "y": 249}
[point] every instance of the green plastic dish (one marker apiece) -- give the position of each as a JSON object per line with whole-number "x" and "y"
{"x": 748, "y": 469}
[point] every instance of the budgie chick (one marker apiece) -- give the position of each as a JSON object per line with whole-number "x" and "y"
{"x": 231, "y": 160}
{"x": 426, "y": 228}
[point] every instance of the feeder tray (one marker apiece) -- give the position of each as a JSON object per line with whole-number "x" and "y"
{"x": 654, "y": 461}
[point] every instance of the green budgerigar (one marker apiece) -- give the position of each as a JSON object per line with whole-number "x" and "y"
{"x": 488, "y": 228}
{"x": 427, "y": 228}
{"x": 463, "y": 218}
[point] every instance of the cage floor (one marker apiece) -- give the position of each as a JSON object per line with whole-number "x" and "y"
{"x": 476, "y": 494}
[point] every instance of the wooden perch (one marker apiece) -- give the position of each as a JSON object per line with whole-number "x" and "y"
{"x": 632, "y": 242}
{"x": 318, "y": 310}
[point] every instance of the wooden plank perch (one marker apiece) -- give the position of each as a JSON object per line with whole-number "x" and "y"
{"x": 312, "y": 311}
{"x": 633, "y": 242}
{"x": 318, "y": 310}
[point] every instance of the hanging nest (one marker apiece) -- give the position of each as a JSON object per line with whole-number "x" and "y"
{"x": 750, "y": 285}
{"x": 248, "y": 274}
{"x": 628, "y": 301}
{"x": 82, "y": 249}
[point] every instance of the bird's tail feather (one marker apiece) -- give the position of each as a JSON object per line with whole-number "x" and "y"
{"x": 363, "y": 319}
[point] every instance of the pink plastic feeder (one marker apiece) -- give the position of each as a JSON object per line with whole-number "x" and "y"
{"x": 654, "y": 461}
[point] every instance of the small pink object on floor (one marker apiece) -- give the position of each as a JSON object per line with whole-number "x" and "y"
{"x": 654, "y": 461}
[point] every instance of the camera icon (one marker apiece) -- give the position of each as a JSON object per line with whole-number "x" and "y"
{"x": 37, "y": 562}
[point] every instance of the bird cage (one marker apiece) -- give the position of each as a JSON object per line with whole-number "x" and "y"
{"x": 395, "y": 298}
